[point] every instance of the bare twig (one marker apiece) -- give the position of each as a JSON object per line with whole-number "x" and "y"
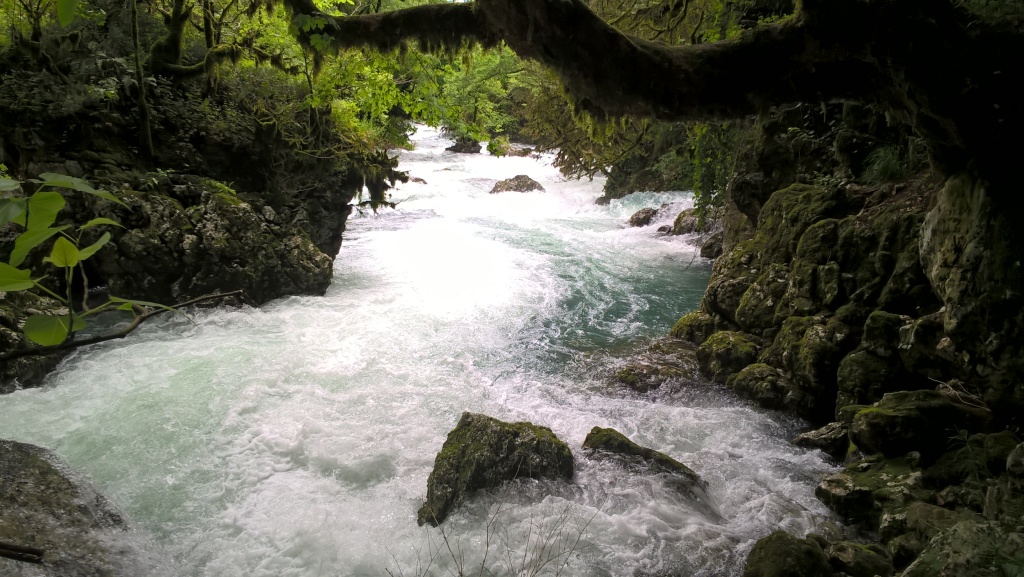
{"x": 21, "y": 553}
{"x": 138, "y": 320}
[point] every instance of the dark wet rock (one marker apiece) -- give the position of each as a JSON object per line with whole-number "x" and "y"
{"x": 920, "y": 421}
{"x": 519, "y": 183}
{"x": 465, "y": 146}
{"x": 970, "y": 549}
{"x": 45, "y": 505}
{"x": 169, "y": 253}
{"x": 712, "y": 246}
{"x": 726, "y": 353}
{"x": 764, "y": 384}
{"x": 859, "y": 559}
{"x": 831, "y": 439}
{"x": 1015, "y": 461}
{"x": 696, "y": 327}
{"x": 605, "y": 443}
{"x": 977, "y": 457}
{"x": 783, "y": 555}
{"x": 642, "y": 217}
{"x": 482, "y": 452}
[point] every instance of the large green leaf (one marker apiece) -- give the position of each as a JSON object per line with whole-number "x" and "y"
{"x": 12, "y": 210}
{"x": 66, "y": 11}
{"x": 64, "y": 181}
{"x": 92, "y": 248}
{"x": 8, "y": 184}
{"x": 98, "y": 222}
{"x": 14, "y": 279}
{"x": 64, "y": 253}
{"x": 49, "y": 330}
{"x": 43, "y": 207}
{"x": 30, "y": 239}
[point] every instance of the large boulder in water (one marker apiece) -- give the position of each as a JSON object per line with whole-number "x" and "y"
{"x": 483, "y": 452}
{"x": 47, "y": 507}
{"x": 518, "y": 183}
{"x": 642, "y": 217}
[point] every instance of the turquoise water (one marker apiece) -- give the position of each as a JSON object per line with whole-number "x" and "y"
{"x": 296, "y": 439}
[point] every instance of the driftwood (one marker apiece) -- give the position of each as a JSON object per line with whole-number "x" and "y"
{"x": 21, "y": 553}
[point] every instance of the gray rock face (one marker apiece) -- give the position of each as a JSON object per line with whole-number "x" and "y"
{"x": 483, "y": 452}
{"x": 519, "y": 183}
{"x": 831, "y": 439}
{"x": 47, "y": 506}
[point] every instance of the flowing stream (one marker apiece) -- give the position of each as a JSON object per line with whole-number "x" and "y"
{"x": 296, "y": 439}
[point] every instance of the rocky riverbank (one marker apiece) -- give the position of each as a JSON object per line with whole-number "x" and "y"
{"x": 889, "y": 315}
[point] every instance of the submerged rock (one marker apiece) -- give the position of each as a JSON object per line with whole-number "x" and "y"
{"x": 519, "y": 183}
{"x": 46, "y": 506}
{"x": 483, "y": 452}
{"x": 605, "y": 443}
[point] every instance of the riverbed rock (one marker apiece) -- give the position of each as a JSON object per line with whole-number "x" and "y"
{"x": 482, "y": 452}
{"x": 642, "y": 217}
{"x": 48, "y": 506}
{"x": 863, "y": 491}
{"x": 764, "y": 384}
{"x": 712, "y": 247}
{"x": 519, "y": 183}
{"x": 784, "y": 555}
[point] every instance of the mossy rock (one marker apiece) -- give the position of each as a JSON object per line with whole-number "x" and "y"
{"x": 643, "y": 377}
{"x": 863, "y": 377}
{"x": 818, "y": 244}
{"x": 783, "y": 555}
{"x": 695, "y": 327}
{"x": 862, "y": 492}
{"x": 685, "y": 222}
{"x": 482, "y": 452}
{"x": 519, "y": 183}
{"x": 48, "y": 506}
{"x": 859, "y": 560}
{"x": 919, "y": 421}
{"x": 882, "y": 333}
{"x": 788, "y": 214}
{"x": 971, "y": 549}
{"x": 786, "y": 346}
{"x": 756, "y": 311}
{"x": 764, "y": 384}
{"x": 726, "y": 353}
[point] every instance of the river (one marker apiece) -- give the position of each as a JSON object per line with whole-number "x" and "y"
{"x": 295, "y": 439}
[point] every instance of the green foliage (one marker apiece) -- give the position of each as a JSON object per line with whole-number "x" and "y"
{"x": 892, "y": 162}
{"x": 499, "y": 146}
{"x": 37, "y": 215}
{"x": 712, "y": 154}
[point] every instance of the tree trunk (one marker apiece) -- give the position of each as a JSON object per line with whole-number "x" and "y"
{"x": 144, "y": 116}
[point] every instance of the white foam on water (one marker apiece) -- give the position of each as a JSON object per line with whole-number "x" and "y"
{"x": 296, "y": 439}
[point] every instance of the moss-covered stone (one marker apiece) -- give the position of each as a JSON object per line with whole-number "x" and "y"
{"x": 695, "y": 327}
{"x": 976, "y": 458}
{"x": 762, "y": 383}
{"x": 864, "y": 490}
{"x": 685, "y": 223}
{"x": 642, "y": 217}
{"x": 482, "y": 452}
{"x": 863, "y": 377}
{"x": 726, "y": 353}
{"x": 859, "y": 560}
{"x": 919, "y": 421}
{"x": 611, "y": 442}
{"x": 756, "y": 311}
{"x": 783, "y": 555}
{"x": 971, "y": 549}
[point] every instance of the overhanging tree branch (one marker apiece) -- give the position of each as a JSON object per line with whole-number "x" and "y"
{"x": 120, "y": 334}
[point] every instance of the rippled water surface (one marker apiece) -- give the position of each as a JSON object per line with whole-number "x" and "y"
{"x": 296, "y": 439}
